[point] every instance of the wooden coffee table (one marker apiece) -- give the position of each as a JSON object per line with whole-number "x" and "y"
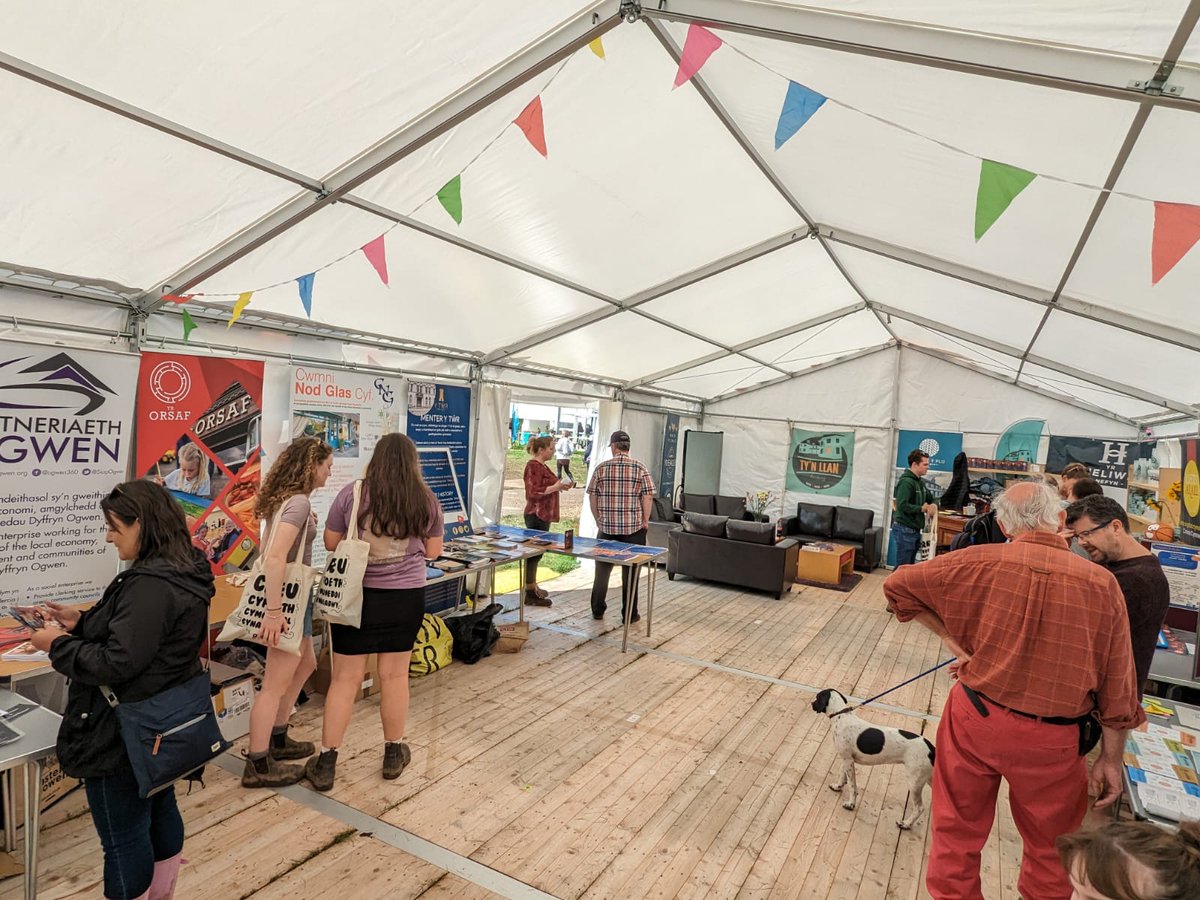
{"x": 825, "y": 562}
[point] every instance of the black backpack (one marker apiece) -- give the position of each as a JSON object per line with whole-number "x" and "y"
{"x": 474, "y": 634}
{"x": 981, "y": 529}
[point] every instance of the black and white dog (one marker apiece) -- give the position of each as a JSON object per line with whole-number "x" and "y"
{"x": 858, "y": 741}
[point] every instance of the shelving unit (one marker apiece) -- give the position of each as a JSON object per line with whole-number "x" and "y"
{"x": 1002, "y": 471}
{"x": 1143, "y": 486}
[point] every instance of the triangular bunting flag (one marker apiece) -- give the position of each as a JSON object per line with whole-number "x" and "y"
{"x": 597, "y": 47}
{"x": 305, "y": 283}
{"x": 530, "y": 122}
{"x": 240, "y": 304}
{"x": 1176, "y": 230}
{"x": 798, "y": 107}
{"x": 376, "y": 255}
{"x": 699, "y": 46}
{"x": 188, "y": 326}
{"x": 450, "y": 196}
{"x": 999, "y": 185}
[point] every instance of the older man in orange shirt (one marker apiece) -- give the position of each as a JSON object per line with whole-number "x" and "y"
{"x": 1044, "y": 668}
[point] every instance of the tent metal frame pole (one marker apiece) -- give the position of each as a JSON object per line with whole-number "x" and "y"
{"x": 732, "y": 261}
{"x": 1034, "y": 389}
{"x": 1086, "y": 377}
{"x": 890, "y": 489}
{"x": 1075, "y": 69}
{"x": 1179, "y": 39}
{"x": 1073, "y": 306}
{"x": 718, "y": 109}
{"x": 829, "y": 364}
{"x": 577, "y": 32}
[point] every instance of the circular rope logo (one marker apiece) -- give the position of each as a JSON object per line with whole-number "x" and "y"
{"x": 930, "y": 446}
{"x": 170, "y": 382}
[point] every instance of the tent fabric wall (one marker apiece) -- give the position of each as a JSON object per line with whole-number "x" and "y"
{"x": 490, "y": 446}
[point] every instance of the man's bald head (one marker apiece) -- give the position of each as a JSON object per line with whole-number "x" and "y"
{"x": 1029, "y": 506}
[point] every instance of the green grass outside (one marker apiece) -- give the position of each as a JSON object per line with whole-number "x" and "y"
{"x": 510, "y": 576}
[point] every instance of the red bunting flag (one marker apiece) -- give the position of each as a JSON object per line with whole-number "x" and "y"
{"x": 1176, "y": 230}
{"x": 176, "y": 298}
{"x": 699, "y": 46}
{"x": 376, "y": 255}
{"x": 530, "y": 122}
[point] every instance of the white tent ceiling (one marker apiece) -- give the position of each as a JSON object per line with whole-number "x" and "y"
{"x": 664, "y": 244}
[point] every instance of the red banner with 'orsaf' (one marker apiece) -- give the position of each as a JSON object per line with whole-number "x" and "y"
{"x": 199, "y": 431}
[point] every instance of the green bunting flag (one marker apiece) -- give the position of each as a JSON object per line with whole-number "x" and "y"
{"x": 450, "y": 197}
{"x": 188, "y": 326}
{"x": 999, "y": 185}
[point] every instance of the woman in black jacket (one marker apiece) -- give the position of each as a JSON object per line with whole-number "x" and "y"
{"x": 142, "y": 638}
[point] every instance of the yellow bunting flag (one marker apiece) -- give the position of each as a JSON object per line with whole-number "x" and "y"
{"x": 240, "y": 304}
{"x": 597, "y": 47}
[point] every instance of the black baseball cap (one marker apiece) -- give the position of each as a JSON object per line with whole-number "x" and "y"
{"x": 619, "y": 437}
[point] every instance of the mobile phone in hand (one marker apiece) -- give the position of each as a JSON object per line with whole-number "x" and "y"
{"x": 29, "y": 616}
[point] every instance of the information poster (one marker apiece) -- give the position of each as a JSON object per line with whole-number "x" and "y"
{"x": 1189, "y": 501}
{"x": 350, "y": 412}
{"x": 1181, "y": 565}
{"x": 821, "y": 462}
{"x": 1107, "y": 461}
{"x": 670, "y": 455}
{"x": 66, "y": 422}
{"x": 439, "y": 423}
{"x": 199, "y": 434}
{"x": 942, "y": 447}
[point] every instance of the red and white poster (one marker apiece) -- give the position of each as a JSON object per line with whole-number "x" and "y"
{"x": 199, "y": 434}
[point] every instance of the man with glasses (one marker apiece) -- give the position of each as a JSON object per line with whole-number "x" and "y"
{"x": 1101, "y": 527}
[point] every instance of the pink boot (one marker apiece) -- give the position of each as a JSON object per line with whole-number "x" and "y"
{"x": 165, "y": 875}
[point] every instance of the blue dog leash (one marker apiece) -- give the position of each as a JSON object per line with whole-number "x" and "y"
{"x": 896, "y": 688}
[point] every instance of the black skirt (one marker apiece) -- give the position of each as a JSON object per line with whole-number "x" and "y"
{"x": 391, "y": 618}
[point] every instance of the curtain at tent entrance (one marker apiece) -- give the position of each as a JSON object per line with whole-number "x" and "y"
{"x": 611, "y": 412}
{"x": 491, "y": 452}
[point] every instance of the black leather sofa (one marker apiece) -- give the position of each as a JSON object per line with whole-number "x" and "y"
{"x": 732, "y": 551}
{"x": 664, "y": 517}
{"x": 842, "y": 525}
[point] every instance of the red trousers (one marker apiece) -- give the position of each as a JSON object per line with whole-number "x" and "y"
{"x": 1047, "y": 781}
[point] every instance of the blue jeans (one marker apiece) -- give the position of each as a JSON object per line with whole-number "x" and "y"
{"x": 134, "y": 833}
{"x": 905, "y": 540}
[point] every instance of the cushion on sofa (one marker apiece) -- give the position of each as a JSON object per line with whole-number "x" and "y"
{"x": 853, "y": 523}
{"x": 750, "y": 532}
{"x": 815, "y": 519}
{"x": 662, "y": 511}
{"x": 699, "y": 523}
{"x": 734, "y": 507}
{"x": 699, "y": 503}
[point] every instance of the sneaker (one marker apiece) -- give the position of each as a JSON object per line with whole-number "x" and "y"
{"x": 395, "y": 757}
{"x": 284, "y": 746}
{"x": 532, "y": 599}
{"x": 320, "y": 770}
{"x": 270, "y": 775}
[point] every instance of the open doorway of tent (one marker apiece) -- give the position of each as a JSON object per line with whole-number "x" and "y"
{"x": 530, "y": 417}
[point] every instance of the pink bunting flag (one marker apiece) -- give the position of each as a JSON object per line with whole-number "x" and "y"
{"x": 530, "y": 122}
{"x": 1176, "y": 230}
{"x": 699, "y": 46}
{"x": 376, "y": 255}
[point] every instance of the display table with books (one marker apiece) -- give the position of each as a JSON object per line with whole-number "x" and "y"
{"x": 1162, "y": 763}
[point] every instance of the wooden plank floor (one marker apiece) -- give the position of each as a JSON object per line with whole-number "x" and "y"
{"x": 585, "y": 772}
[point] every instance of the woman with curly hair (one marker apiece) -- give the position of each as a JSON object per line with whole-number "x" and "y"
{"x": 284, "y": 508}
{"x": 402, "y": 521}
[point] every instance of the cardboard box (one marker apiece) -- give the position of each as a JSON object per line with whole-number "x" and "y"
{"x": 319, "y": 682}
{"x": 233, "y": 696}
{"x": 513, "y": 636}
{"x": 56, "y": 784}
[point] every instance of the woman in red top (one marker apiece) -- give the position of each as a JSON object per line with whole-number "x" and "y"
{"x": 541, "y": 507}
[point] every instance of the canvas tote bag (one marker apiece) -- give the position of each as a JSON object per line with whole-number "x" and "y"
{"x": 339, "y": 594}
{"x": 927, "y": 546}
{"x": 243, "y": 623}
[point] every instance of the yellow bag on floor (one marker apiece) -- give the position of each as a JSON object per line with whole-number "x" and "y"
{"x": 432, "y": 648}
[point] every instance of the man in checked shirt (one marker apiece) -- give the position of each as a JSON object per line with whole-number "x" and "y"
{"x": 1044, "y": 667}
{"x": 621, "y": 495}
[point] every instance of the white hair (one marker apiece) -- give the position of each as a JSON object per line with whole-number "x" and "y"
{"x": 1035, "y": 507}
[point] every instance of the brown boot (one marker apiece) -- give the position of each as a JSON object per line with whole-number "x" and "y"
{"x": 266, "y": 772}
{"x": 284, "y": 746}
{"x": 395, "y": 757}
{"x": 532, "y": 599}
{"x": 320, "y": 770}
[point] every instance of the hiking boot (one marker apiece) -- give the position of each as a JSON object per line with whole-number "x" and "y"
{"x": 283, "y": 746}
{"x": 321, "y": 769}
{"x": 268, "y": 773}
{"x": 395, "y": 757}
{"x": 532, "y": 599}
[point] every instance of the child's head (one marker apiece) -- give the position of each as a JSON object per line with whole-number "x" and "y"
{"x": 1133, "y": 861}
